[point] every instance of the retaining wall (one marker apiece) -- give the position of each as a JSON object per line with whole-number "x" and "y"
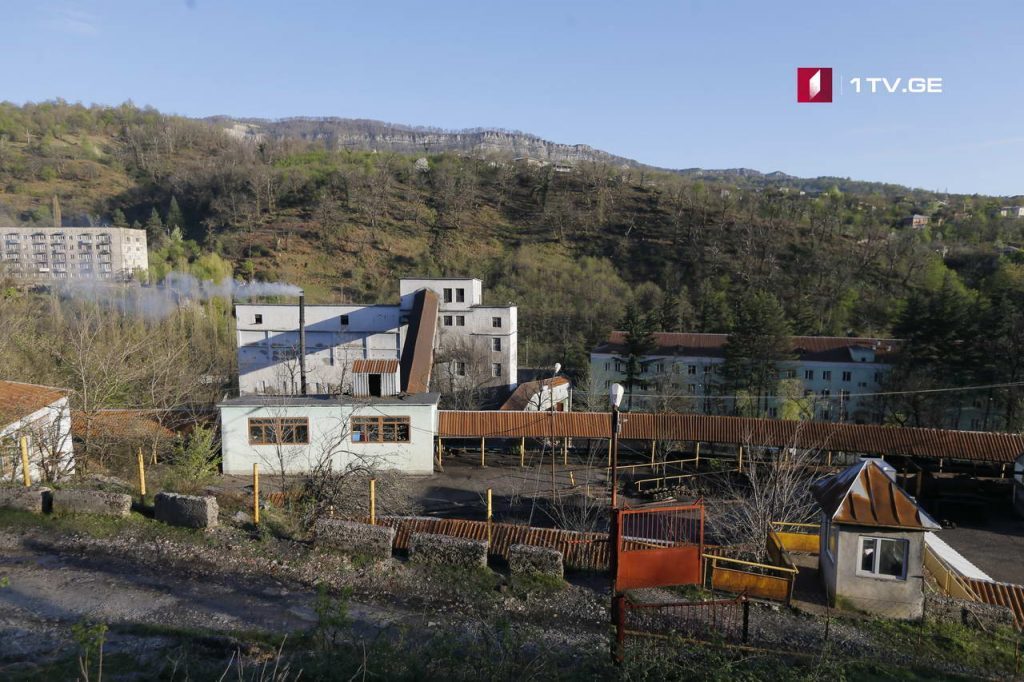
{"x": 190, "y": 511}
{"x": 532, "y": 559}
{"x": 355, "y": 538}
{"x": 91, "y": 502}
{"x": 443, "y": 550}
{"x": 37, "y": 500}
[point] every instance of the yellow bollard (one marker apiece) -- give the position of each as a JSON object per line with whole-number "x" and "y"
{"x": 373, "y": 501}
{"x": 483, "y": 450}
{"x": 256, "y": 493}
{"x": 25, "y": 475}
{"x": 142, "y": 475}
{"x": 572, "y": 479}
{"x": 522, "y": 451}
{"x": 490, "y": 515}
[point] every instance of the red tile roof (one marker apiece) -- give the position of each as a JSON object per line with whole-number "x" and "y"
{"x": 864, "y": 495}
{"x": 19, "y": 400}
{"x": 810, "y": 348}
{"x": 375, "y": 366}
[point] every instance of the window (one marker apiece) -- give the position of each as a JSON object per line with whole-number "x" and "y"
{"x": 460, "y": 295}
{"x": 809, "y": 374}
{"x": 495, "y": 369}
{"x": 344, "y": 320}
{"x": 691, "y": 389}
{"x": 496, "y": 322}
{"x": 279, "y": 431}
{"x": 691, "y": 369}
{"x": 496, "y": 344}
{"x": 826, "y": 393}
{"x": 885, "y": 557}
{"x": 827, "y": 375}
{"x": 878, "y": 377}
{"x": 447, "y": 295}
{"x": 460, "y": 320}
{"x": 380, "y": 429}
{"x": 447, "y": 320}
{"x": 257, "y": 319}
{"x": 460, "y": 368}
{"x": 847, "y": 376}
{"x": 773, "y": 412}
{"x": 660, "y": 367}
{"x": 844, "y": 395}
{"x": 789, "y": 374}
{"x": 607, "y": 366}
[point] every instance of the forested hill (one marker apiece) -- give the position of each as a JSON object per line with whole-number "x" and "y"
{"x": 573, "y": 246}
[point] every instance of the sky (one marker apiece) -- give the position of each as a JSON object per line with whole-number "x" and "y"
{"x": 704, "y": 83}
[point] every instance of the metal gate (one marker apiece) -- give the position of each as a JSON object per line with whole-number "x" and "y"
{"x": 658, "y": 546}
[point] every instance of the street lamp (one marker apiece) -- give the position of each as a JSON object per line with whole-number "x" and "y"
{"x": 615, "y": 394}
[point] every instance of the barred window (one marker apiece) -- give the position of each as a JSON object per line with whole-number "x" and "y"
{"x": 279, "y": 431}
{"x": 380, "y": 429}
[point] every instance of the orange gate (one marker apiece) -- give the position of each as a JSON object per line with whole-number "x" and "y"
{"x": 658, "y": 546}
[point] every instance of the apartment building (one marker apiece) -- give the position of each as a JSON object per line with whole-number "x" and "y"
{"x": 683, "y": 372}
{"x": 60, "y": 253}
{"x": 472, "y": 343}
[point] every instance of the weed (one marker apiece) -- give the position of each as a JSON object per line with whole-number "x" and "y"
{"x": 90, "y": 638}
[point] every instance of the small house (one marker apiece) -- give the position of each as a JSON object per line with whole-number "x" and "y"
{"x": 40, "y": 414}
{"x": 872, "y": 541}
{"x": 297, "y": 434}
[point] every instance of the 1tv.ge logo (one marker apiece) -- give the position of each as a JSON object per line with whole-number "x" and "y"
{"x": 814, "y": 84}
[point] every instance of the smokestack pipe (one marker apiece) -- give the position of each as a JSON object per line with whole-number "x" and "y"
{"x": 302, "y": 343}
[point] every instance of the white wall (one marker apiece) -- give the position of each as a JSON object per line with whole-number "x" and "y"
{"x": 48, "y": 431}
{"x": 329, "y": 435}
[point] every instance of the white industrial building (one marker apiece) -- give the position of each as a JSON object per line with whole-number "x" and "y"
{"x": 472, "y": 344}
{"x": 56, "y": 253}
{"x": 41, "y": 415}
{"x": 293, "y": 434}
{"x": 683, "y": 372}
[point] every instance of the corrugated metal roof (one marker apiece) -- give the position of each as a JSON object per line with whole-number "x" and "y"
{"x": 819, "y": 348}
{"x": 19, "y": 400}
{"x": 528, "y": 390}
{"x": 375, "y": 366}
{"x": 882, "y": 440}
{"x": 418, "y": 352}
{"x": 864, "y": 495}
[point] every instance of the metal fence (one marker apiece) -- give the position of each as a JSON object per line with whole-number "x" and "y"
{"x": 719, "y": 620}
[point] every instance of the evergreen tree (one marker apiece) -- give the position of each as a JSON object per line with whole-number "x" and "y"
{"x": 759, "y": 341}
{"x": 119, "y": 219}
{"x": 175, "y": 218}
{"x": 154, "y": 228}
{"x": 639, "y": 342}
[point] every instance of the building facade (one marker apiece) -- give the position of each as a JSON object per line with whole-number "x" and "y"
{"x": 294, "y": 434}
{"x": 826, "y": 380}
{"x": 473, "y": 343}
{"x": 40, "y": 415}
{"x": 59, "y": 253}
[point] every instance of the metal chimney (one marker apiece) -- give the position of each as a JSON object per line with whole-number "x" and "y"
{"x": 302, "y": 343}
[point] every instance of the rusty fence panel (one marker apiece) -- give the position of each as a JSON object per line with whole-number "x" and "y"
{"x": 658, "y": 546}
{"x": 721, "y": 620}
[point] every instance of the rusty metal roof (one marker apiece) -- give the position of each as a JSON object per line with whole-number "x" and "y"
{"x": 869, "y": 439}
{"x": 19, "y": 400}
{"x": 374, "y": 366}
{"x": 528, "y": 390}
{"x": 418, "y": 352}
{"x": 818, "y": 348}
{"x": 864, "y": 495}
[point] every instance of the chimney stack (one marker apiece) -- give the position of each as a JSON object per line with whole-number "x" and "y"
{"x": 302, "y": 343}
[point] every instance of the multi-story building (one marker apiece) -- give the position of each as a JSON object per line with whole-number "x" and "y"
{"x": 1012, "y": 211}
{"x": 52, "y": 253}
{"x": 828, "y": 378}
{"x": 474, "y": 345}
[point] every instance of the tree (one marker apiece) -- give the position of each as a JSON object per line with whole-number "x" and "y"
{"x": 175, "y": 218}
{"x": 758, "y": 343}
{"x": 639, "y": 341}
{"x": 154, "y": 228}
{"x": 119, "y": 219}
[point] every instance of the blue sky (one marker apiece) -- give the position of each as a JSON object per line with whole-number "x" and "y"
{"x": 683, "y": 84}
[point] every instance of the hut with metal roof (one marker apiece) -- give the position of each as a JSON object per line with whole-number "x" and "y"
{"x": 872, "y": 541}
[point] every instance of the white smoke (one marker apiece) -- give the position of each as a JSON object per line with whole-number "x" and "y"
{"x": 177, "y": 289}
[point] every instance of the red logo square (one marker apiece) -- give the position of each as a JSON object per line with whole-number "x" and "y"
{"x": 814, "y": 84}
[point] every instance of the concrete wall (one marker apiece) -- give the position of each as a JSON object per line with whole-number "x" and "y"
{"x": 329, "y": 436}
{"x": 445, "y": 550}
{"x": 889, "y": 597}
{"x": 49, "y": 435}
{"x": 357, "y": 539}
{"x": 91, "y": 502}
{"x": 826, "y": 561}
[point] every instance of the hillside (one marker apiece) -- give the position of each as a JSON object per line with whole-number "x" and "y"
{"x": 573, "y": 246}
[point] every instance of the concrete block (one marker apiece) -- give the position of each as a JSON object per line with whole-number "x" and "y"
{"x": 91, "y": 502}
{"x": 532, "y": 559}
{"x": 190, "y": 511}
{"x": 37, "y": 500}
{"x": 444, "y": 550}
{"x": 355, "y": 538}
